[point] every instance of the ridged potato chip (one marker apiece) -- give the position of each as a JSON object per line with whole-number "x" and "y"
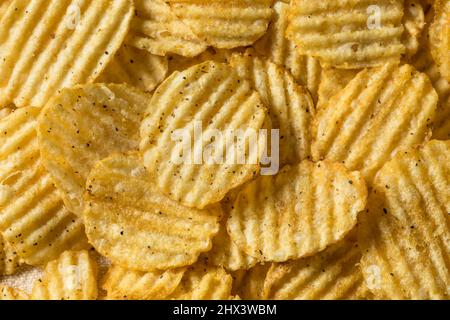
{"x": 123, "y": 284}
{"x": 135, "y": 67}
{"x": 404, "y": 235}
{"x": 290, "y": 107}
{"x": 49, "y": 45}
{"x": 33, "y": 218}
{"x": 333, "y": 274}
{"x": 348, "y": 34}
{"x": 440, "y": 37}
{"x": 333, "y": 81}
{"x": 84, "y": 124}
{"x": 249, "y": 284}
{"x": 380, "y": 112}
{"x": 274, "y": 45}
{"x": 155, "y": 28}
{"x": 73, "y": 276}
{"x": 9, "y": 293}
{"x": 130, "y": 222}
{"x": 298, "y": 212}
{"x": 414, "y": 23}
{"x": 225, "y": 24}
{"x": 9, "y": 260}
{"x": 186, "y": 107}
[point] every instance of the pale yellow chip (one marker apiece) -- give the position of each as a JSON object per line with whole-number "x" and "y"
{"x": 440, "y": 37}
{"x": 137, "y": 68}
{"x": 211, "y": 104}
{"x": 9, "y": 259}
{"x": 298, "y": 212}
{"x": 130, "y": 222}
{"x": 225, "y": 24}
{"x": 414, "y": 23}
{"x": 155, "y": 28}
{"x": 348, "y": 34}
{"x": 180, "y": 63}
{"x": 290, "y": 106}
{"x": 9, "y": 293}
{"x": 124, "y": 284}
{"x": 249, "y": 284}
{"x": 404, "y": 235}
{"x": 33, "y": 218}
{"x": 274, "y": 45}
{"x": 82, "y": 125}
{"x": 333, "y": 274}
{"x": 380, "y": 112}
{"x": 49, "y": 45}
{"x": 204, "y": 282}
{"x": 73, "y": 276}
{"x": 332, "y": 81}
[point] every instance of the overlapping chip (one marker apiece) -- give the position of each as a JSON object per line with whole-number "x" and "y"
{"x": 130, "y": 222}
{"x": 123, "y": 284}
{"x": 404, "y": 235}
{"x": 9, "y": 259}
{"x": 180, "y": 63}
{"x": 249, "y": 284}
{"x": 188, "y": 126}
{"x": 49, "y": 45}
{"x": 440, "y": 37}
{"x": 33, "y": 218}
{"x": 332, "y": 81}
{"x": 9, "y": 293}
{"x": 380, "y": 112}
{"x": 348, "y": 34}
{"x": 84, "y": 124}
{"x": 73, "y": 276}
{"x": 298, "y": 212}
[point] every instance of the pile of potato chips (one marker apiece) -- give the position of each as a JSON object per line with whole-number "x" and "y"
{"x": 92, "y": 94}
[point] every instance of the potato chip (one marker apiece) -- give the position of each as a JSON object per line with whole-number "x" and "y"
{"x": 33, "y": 218}
{"x": 440, "y": 37}
{"x": 73, "y": 276}
{"x": 298, "y": 212}
{"x": 348, "y": 34}
{"x": 126, "y": 284}
{"x": 180, "y": 63}
{"x": 380, "y": 112}
{"x": 333, "y": 81}
{"x": 275, "y": 46}
{"x": 333, "y": 274}
{"x": 9, "y": 293}
{"x": 290, "y": 106}
{"x": 414, "y": 23}
{"x": 136, "y": 67}
{"x": 4, "y": 4}
{"x": 130, "y": 222}
{"x": 404, "y": 235}
{"x": 249, "y": 284}
{"x": 49, "y": 45}
{"x": 212, "y": 105}
{"x": 155, "y": 28}
{"x": 82, "y": 125}
{"x": 225, "y": 24}
{"x": 9, "y": 260}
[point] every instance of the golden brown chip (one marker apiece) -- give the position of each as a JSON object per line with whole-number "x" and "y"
{"x": 33, "y": 218}
{"x": 348, "y": 34}
{"x": 53, "y": 44}
{"x": 274, "y": 45}
{"x": 180, "y": 63}
{"x": 440, "y": 37}
{"x": 155, "y": 28}
{"x": 332, "y": 81}
{"x": 123, "y": 284}
{"x": 4, "y": 4}
{"x": 9, "y": 293}
{"x": 333, "y": 274}
{"x": 82, "y": 125}
{"x": 414, "y": 23}
{"x": 225, "y": 24}
{"x": 9, "y": 259}
{"x": 129, "y": 221}
{"x": 136, "y": 67}
{"x": 4, "y": 111}
{"x": 249, "y": 284}
{"x": 208, "y": 104}
{"x": 380, "y": 112}
{"x": 298, "y": 212}
{"x": 404, "y": 235}
{"x": 73, "y": 276}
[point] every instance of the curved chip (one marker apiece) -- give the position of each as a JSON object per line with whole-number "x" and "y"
{"x": 249, "y": 284}
{"x": 274, "y": 45}
{"x": 298, "y": 212}
{"x": 73, "y": 276}
{"x": 82, "y": 125}
{"x": 9, "y": 259}
{"x": 130, "y": 222}
{"x": 440, "y": 37}
{"x": 404, "y": 235}
{"x": 135, "y": 67}
{"x": 9, "y": 293}
{"x": 125, "y": 284}
{"x": 33, "y": 218}
{"x": 290, "y": 107}
{"x": 49, "y": 45}
{"x": 155, "y": 28}
{"x": 333, "y": 274}
{"x": 380, "y": 112}
{"x": 332, "y": 81}
{"x": 414, "y": 23}
{"x": 189, "y": 125}
{"x": 348, "y": 34}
